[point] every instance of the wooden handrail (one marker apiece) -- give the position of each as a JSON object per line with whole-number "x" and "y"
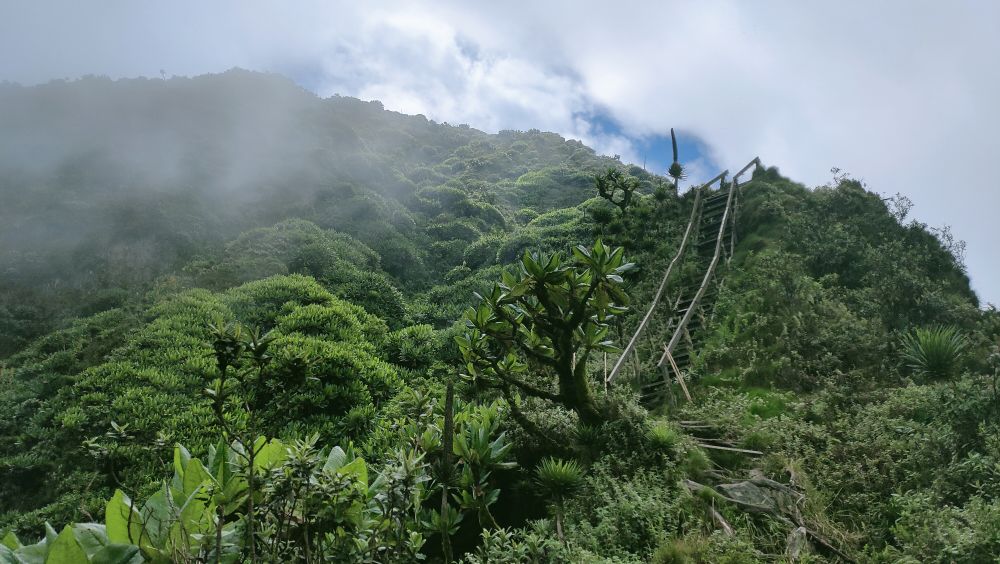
{"x": 678, "y": 331}
{"x": 695, "y": 209}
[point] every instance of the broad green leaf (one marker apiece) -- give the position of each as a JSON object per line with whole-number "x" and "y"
{"x": 33, "y": 553}
{"x": 377, "y": 485}
{"x": 269, "y": 454}
{"x": 11, "y": 541}
{"x": 181, "y": 458}
{"x": 195, "y": 517}
{"x": 118, "y": 554}
{"x": 195, "y": 475}
{"x": 91, "y": 536}
{"x": 122, "y": 520}
{"x": 218, "y": 462}
{"x": 50, "y": 534}
{"x": 66, "y": 549}
{"x": 357, "y": 468}
{"x": 7, "y": 555}
{"x": 157, "y": 515}
{"x": 335, "y": 460}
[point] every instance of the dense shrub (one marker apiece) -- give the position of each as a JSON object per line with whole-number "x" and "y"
{"x": 414, "y": 347}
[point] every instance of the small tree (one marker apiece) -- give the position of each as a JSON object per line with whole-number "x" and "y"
{"x": 617, "y": 187}
{"x": 558, "y": 480}
{"x": 544, "y": 320}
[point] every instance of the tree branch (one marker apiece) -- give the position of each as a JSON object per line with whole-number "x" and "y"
{"x": 581, "y": 309}
{"x": 546, "y": 360}
{"x": 525, "y": 387}
{"x": 531, "y": 390}
{"x": 524, "y": 348}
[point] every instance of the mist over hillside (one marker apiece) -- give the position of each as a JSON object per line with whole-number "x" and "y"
{"x": 108, "y": 184}
{"x": 243, "y": 323}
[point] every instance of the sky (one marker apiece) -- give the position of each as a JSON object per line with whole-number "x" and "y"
{"x": 900, "y": 94}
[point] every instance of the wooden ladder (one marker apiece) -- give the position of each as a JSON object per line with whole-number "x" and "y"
{"x": 711, "y": 227}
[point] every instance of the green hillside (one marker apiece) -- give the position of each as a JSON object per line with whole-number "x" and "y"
{"x": 302, "y": 329}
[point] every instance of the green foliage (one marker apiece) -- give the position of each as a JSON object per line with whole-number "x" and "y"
{"x": 313, "y": 382}
{"x": 715, "y": 548}
{"x": 337, "y": 321}
{"x": 483, "y": 252}
{"x": 85, "y": 543}
{"x": 372, "y": 291}
{"x": 514, "y": 546}
{"x": 330, "y": 315}
{"x": 553, "y": 188}
{"x": 414, "y": 347}
{"x": 617, "y": 187}
{"x": 929, "y": 531}
{"x": 91, "y": 232}
{"x": 306, "y": 503}
{"x": 664, "y": 437}
{"x": 615, "y": 516}
{"x": 558, "y": 479}
{"x": 260, "y": 303}
{"x": 322, "y": 376}
{"x": 934, "y": 353}
{"x": 549, "y": 316}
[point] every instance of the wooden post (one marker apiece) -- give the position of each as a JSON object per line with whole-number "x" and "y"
{"x": 732, "y": 227}
{"x": 671, "y": 398}
{"x": 677, "y": 372}
{"x": 711, "y": 267}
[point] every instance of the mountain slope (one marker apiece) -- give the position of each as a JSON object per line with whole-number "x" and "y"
{"x": 145, "y": 213}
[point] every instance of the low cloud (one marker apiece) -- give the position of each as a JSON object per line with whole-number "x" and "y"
{"x": 900, "y": 94}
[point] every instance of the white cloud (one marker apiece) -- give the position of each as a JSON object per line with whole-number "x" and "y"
{"x": 899, "y": 93}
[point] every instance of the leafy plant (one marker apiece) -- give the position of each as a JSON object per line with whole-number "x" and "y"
{"x": 481, "y": 452}
{"x": 559, "y": 480}
{"x": 935, "y": 352}
{"x": 664, "y": 437}
{"x": 85, "y": 543}
{"x": 617, "y": 187}
{"x": 546, "y": 318}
